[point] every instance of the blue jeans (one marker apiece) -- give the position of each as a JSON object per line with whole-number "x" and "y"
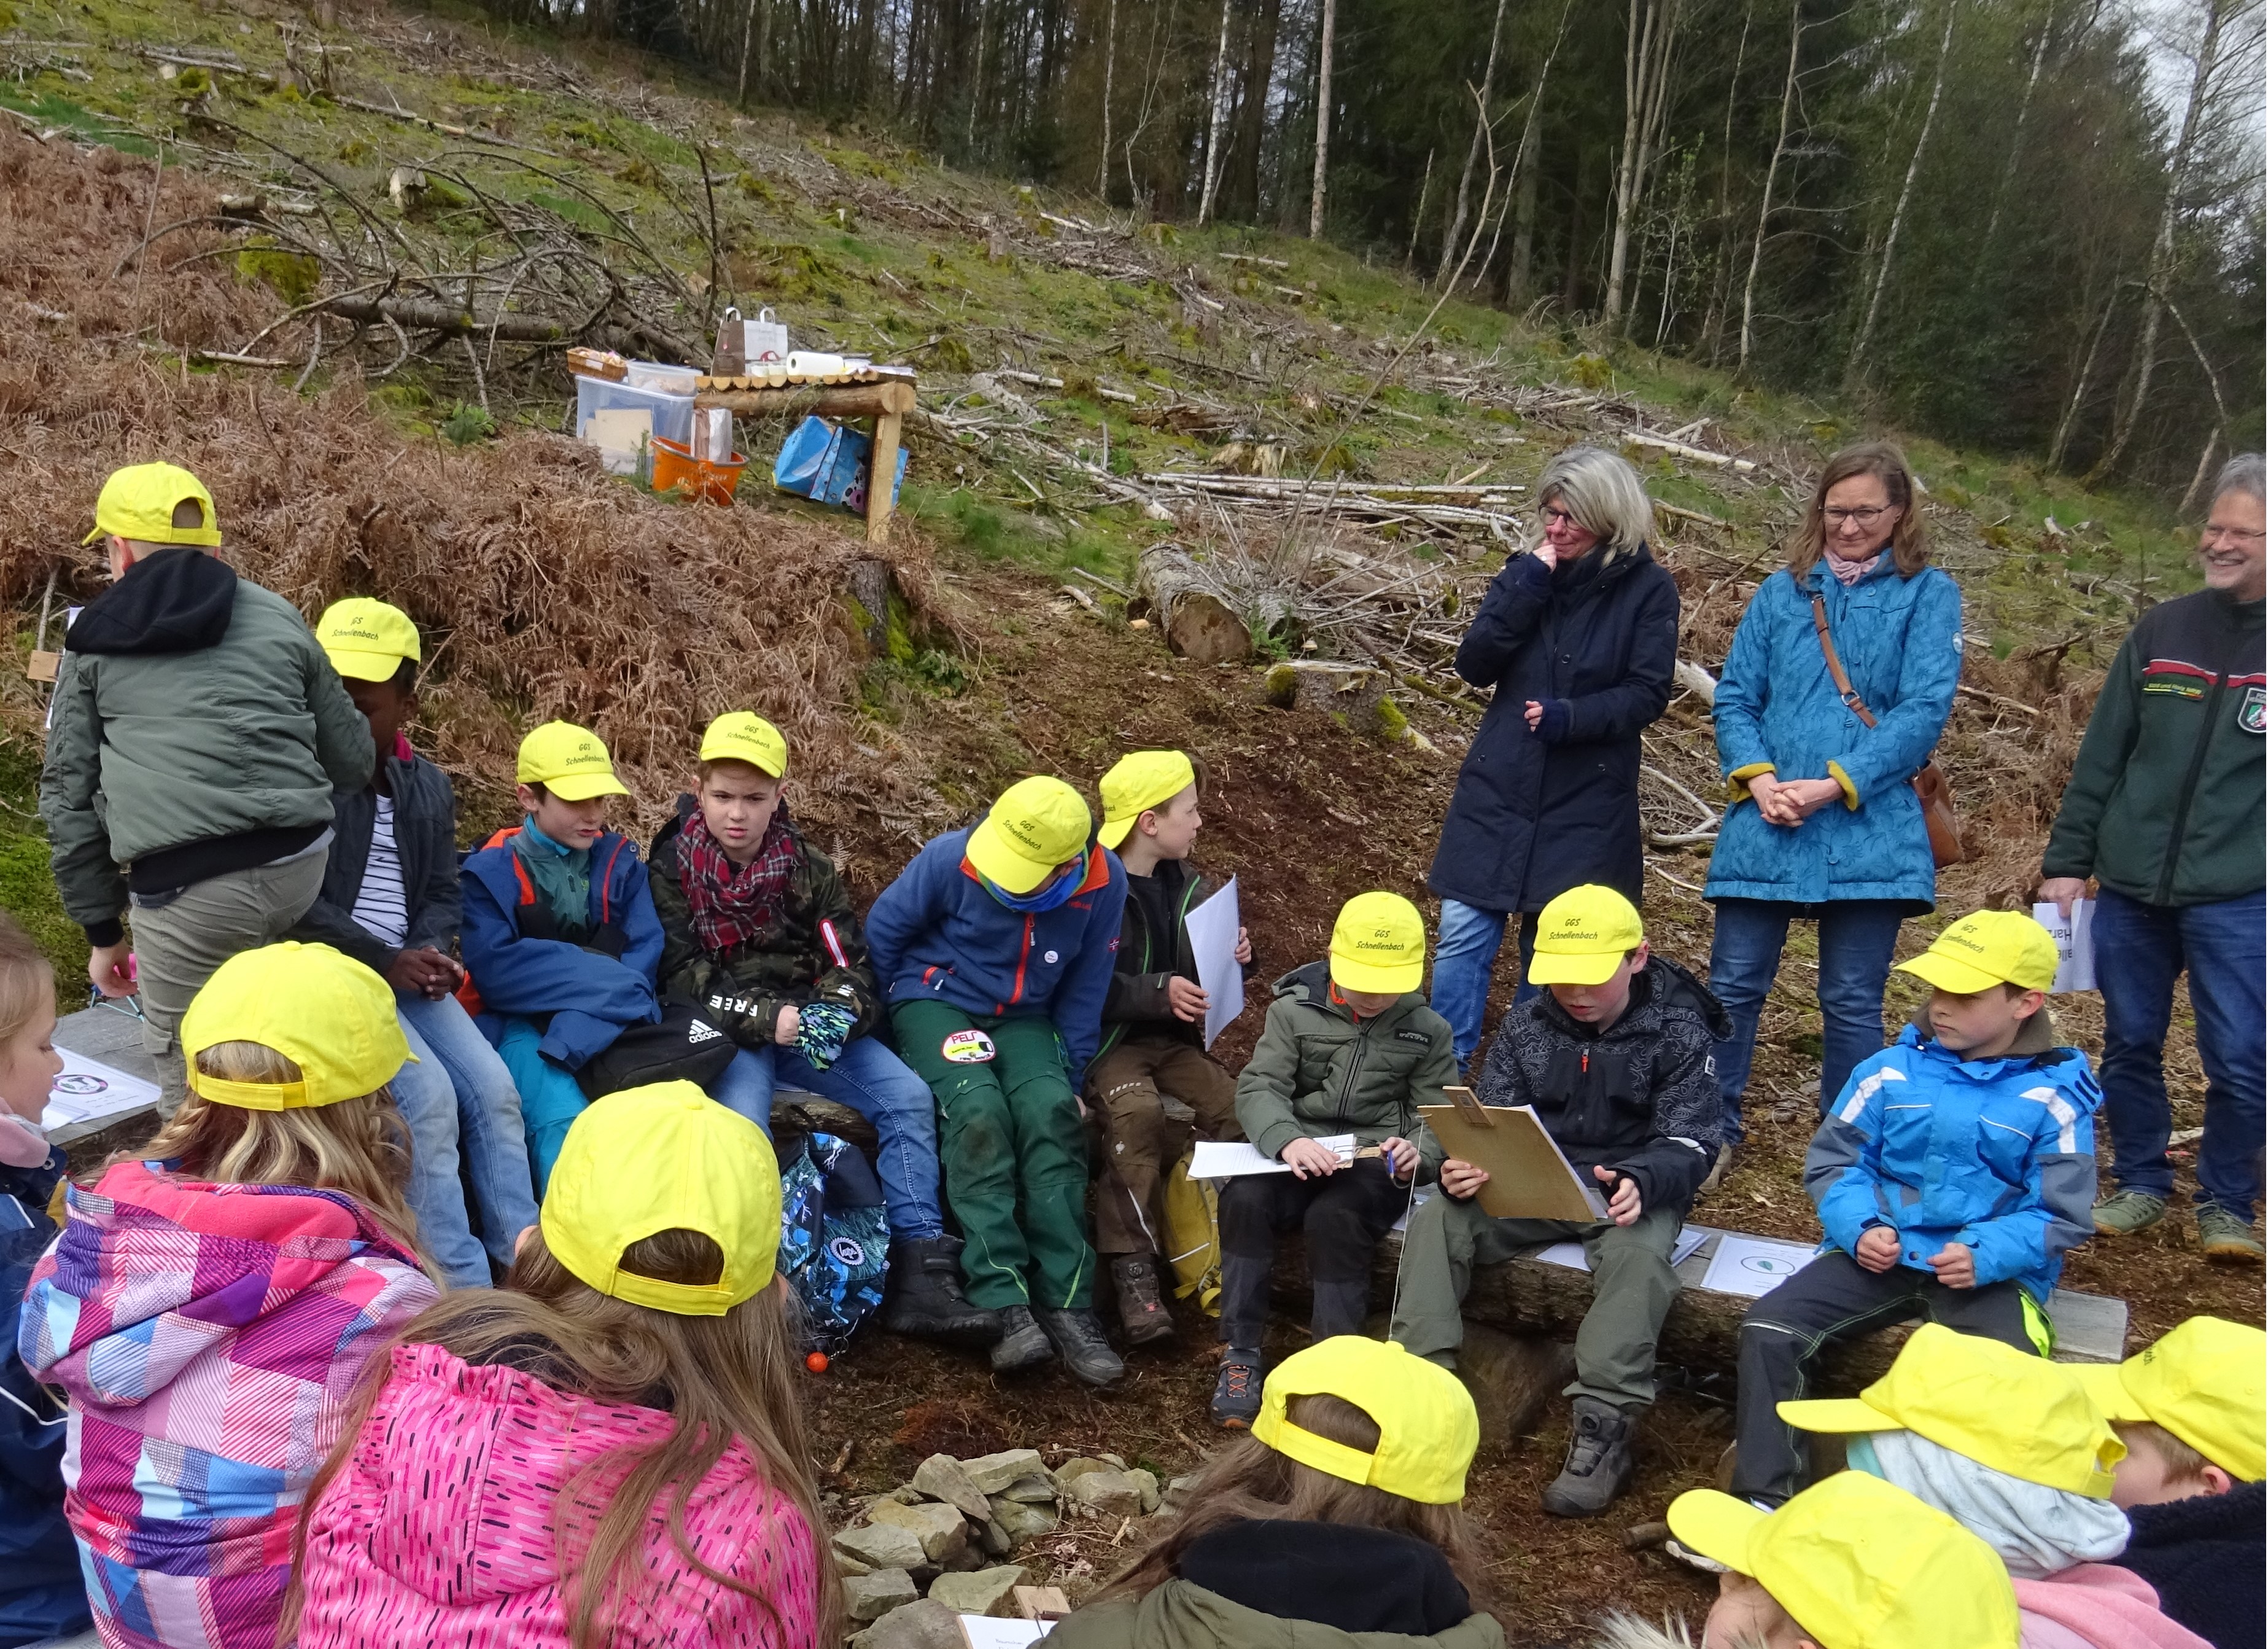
{"x": 878, "y": 1085}
{"x": 1464, "y": 965}
{"x": 551, "y": 1099}
{"x": 459, "y": 1101}
{"x": 1857, "y": 938}
{"x": 2138, "y": 950}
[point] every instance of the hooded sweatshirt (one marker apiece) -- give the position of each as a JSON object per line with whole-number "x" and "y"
{"x": 208, "y": 1335}
{"x": 442, "y": 1530}
{"x": 2097, "y": 1605}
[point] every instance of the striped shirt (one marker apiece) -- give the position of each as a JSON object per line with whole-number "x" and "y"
{"x": 382, "y": 906}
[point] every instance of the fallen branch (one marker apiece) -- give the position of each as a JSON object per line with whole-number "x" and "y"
{"x": 439, "y": 317}
{"x": 1699, "y": 455}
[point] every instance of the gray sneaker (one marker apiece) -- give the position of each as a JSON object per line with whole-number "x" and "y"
{"x": 1022, "y": 1344}
{"x": 1599, "y": 1466}
{"x": 2226, "y": 1237}
{"x": 2123, "y": 1213}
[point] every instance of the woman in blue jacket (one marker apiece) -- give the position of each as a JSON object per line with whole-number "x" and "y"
{"x": 1823, "y": 824}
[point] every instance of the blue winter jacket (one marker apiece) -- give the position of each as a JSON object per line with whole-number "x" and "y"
{"x": 1997, "y": 1155}
{"x": 41, "y": 1594}
{"x": 589, "y": 995}
{"x": 1776, "y": 709}
{"x": 937, "y": 936}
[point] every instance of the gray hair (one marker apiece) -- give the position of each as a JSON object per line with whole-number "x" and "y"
{"x": 1603, "y": 493}
{"x": 2241, "y": 474}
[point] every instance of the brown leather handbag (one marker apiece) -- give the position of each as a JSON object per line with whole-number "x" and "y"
{"x": 1931, "y": 786}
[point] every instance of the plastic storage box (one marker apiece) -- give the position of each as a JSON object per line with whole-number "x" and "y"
{"x": 622, "y": 419}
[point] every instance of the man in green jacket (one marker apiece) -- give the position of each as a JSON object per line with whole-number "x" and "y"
{"x": 2164, "y": 810}
{"x": 196, "y": 735}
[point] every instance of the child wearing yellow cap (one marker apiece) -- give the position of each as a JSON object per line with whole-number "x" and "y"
{"x": 390, "y": 899}
{"x": 759, "y": 933}
{"x": 1613, "y": 1055}
{"x": 1153, "y": 1029}
{"x": 1340, "y": 1520}
{"x": 562, "y": 944}
{"x": 1350, "y": 1049}
{"x": 1951, "y": 1174}
{"x": 214, "y": 1298}
{"x": 609, "y": 1449}
{"x": 994, "y": 951}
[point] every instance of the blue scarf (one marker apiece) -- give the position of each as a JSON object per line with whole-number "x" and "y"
{"x": 1050, "y": 895}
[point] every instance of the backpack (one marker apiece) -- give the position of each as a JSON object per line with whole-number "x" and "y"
{"x": 834, "y": 1239}
{"x": 682, "y": 1047}
{"x": 1193, "y": 1235}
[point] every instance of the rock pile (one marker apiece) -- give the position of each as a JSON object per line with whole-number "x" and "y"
{"x": 941, "y": 1545}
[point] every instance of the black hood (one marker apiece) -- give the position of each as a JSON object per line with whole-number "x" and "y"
{"x": 174, "y": 600}
{"x": 1354, "y": 1578}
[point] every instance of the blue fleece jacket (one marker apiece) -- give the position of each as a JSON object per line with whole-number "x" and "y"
{"x": 1997, "y": 1155}
{"x": 937, "y": 936}
{"x": 41, "y": 1594}
{"x": 589, "y": 995}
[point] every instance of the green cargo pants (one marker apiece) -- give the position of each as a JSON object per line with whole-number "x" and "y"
{"x": 1632, "y": 1284}
{"x": 1014, "y": 1150}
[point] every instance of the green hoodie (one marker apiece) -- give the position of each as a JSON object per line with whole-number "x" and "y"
{"x": 1319, "y": 1071}
{"x": 1180, "y": 1615}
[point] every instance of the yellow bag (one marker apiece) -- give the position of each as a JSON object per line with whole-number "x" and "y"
{"x": 1193, "y": 1236}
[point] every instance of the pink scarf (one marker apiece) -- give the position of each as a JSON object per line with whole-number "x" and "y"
{"x": 1848, "y": 573}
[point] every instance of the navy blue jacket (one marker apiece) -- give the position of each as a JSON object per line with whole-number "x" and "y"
{"x": 2204, "y": 1554}
{"x": 41, "y": 1595}
{"x": 425, "y": 836}
{"x": 1538, "y": 812}
{"x": 937, "y": 936}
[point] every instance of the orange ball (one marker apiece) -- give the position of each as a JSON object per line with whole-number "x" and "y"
{"x": 816, "y": 1362}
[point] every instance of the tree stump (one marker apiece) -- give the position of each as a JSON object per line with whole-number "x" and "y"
{"x": 1355, "y": 693}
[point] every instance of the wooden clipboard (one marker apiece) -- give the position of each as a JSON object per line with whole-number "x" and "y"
{"x": 1529, "y": 1177}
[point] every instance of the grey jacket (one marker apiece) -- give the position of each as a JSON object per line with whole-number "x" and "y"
{"x": 425, "y": 835}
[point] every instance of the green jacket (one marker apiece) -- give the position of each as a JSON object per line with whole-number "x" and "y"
{"x": 196, "y": 728}
{"x": 1180, "y": 1615}
{"x": 2165, "y": 800}
{"x": 818, "y": 952}
{"x": 1318, "y": 1072}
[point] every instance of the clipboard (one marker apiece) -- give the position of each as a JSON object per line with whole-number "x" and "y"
{"x": 1529, "y": 1176}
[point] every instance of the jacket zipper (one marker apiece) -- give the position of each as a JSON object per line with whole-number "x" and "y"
{"x": 1354, "y": 1066}
{"x": 2189, "y": 789}
{"x": 1017, "y": 994}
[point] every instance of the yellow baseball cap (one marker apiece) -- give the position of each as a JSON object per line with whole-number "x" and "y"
{"x": 1377, "y": 944}
{"x": 138, "y": 501}
{"x": 1985, "y": 949}
{"x": 569, "y": 761}
{"x": 1999, "y": 1406}
{"x": 2203, "y": 1381}
{"x": 665, "y": 1158}
{"x": 1582, "y": 936}
{"x": 1860, "y": 1564}
{"x": 367, "y": 639}
{"x": 743, "y": 735}
{"x": 318, "y": 1008}
{"x": 1140, "y": 782}
{"x": 1037, "y": 827}
{"x": 1427, "y": 1427}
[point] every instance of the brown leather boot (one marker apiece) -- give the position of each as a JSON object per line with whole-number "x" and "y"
{"x": 1142, "y": 1311}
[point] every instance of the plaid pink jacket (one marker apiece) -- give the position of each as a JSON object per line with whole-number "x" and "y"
{"x": 442, "y": 1531}
{"x": 208, "y": 1335}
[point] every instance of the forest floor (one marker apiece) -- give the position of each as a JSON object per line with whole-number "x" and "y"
{"x": 1234, "y": 352}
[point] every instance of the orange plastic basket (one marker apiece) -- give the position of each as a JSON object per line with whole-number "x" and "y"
{"x": 676, "y": 469}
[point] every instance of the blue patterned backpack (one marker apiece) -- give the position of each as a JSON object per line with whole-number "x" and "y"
{"x": 834, "y": 1239}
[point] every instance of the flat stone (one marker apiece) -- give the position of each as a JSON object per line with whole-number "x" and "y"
{"x": 846, "y": 1565}
{"x": 1147, "y": 1482}
{"x": 993, "y": 1538}
{"x": 1036, "y": 1490}
{"x": 1114, "y": 1460}
{"x": 1023, "y": 1521}
{"x": 941, "y": 1530}
{"x": 993, "y": 1473}
{"x": 923, "y": 1625}
{"x": 1177, "y": 1491}
{"x": 870, "y": 1597}
{"x": 1071, "y": 1469}
{"x": 883, "y": 1546}
{"x": 1108, "y": 1492}
{"x": 985, "y": 1591}
{"x": 942, "y": 1477}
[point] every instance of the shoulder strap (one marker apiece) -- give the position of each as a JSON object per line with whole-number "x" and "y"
{"x": 1857, "y": 705}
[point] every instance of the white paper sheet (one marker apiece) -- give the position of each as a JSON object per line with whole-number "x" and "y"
{"x": 1570, "y": 1254}
{"x": 985, "y": 1632}
{"x": 1212, "y": 940}
{"x": 2074, "y": 937}
{"x": 87, "y": 1088}
{"x": 1226, "y": 1159}
{"x": 1754, "y": 1266}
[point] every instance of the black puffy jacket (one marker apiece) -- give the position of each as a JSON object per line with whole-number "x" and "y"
{"x": 1537, "y": 813}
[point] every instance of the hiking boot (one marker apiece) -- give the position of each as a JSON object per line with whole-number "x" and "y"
{"x": 1022, "y": 1343}
{"x": 2224, "y": 1236}
{"x": 1079, "y": 1341}
{"x": 1142, "y": 1311}
{"x": 924, "y": 1294}
{"x": 1236, "y": 1395}
{"x": 1717, "y": 1170}
{"x": 1599, "y": 1466}
{"x": 2123, "y": 1213}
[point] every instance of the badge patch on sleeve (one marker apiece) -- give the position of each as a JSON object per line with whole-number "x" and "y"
{"x": 967, "y": 1047}
{"x": 2253, "y": 714}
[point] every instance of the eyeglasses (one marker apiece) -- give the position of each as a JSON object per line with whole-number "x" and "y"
{"x": 1555, "y": 517}
{"x": 1864, "y": 517}
{"x": 2231, "y": 534}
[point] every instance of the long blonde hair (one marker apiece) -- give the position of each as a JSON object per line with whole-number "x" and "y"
{"x": 360, "y": 1146}
{"x": 27, "y": 980}
{"x": 729, "y": 1377}
{"x": 1248, "y": 1481}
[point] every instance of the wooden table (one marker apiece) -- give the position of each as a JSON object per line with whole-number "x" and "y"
{"x": 887, "y": 400}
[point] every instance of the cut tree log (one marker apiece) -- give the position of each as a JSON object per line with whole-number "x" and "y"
{"x": 1201, "y": 628}
{"x": 1355, "y": 692}
{"x": 1699, "y": 455}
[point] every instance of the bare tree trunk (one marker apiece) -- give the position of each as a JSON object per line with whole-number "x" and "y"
{"x": 2016, "y": 139}
{"x": 1323, "y": 120}
{"x": 1473, "y": 149}
{"x": 1721, "y": 296}
{"x": 1637, "y": 56}
{"x": 1417, "y": 217}
{"x": 747, "y": 40}
{"x": 1212, "y": 159}
{"x": 1109, "y": 72}
{"x": 1771, "y": 175}
{"x": 1525, "y": 155}
{"x": 2204, "y": 469}
{"x": 1905, "y": 197}
{"x": 2070, "y": 418}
